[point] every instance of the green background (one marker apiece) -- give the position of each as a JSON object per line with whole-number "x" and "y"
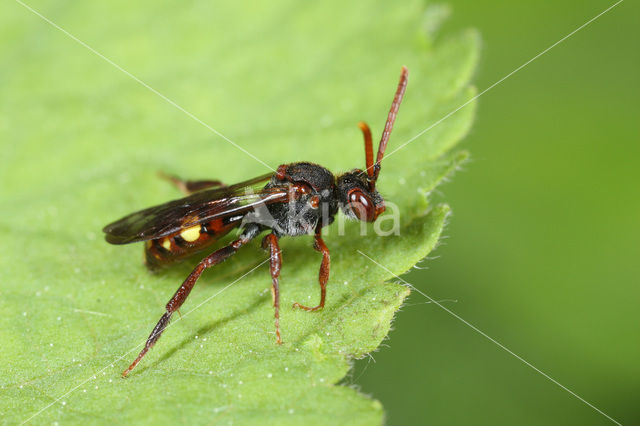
{"x": 542, "y": 253}
{"x": 542, "y": 249}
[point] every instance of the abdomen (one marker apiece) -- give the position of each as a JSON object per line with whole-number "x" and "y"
{"x": 186, "y": 242}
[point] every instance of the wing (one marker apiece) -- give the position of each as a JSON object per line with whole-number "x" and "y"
{"x": 164, "y": 219}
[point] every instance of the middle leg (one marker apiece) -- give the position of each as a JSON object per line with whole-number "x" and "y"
{"x": 270, "y": 242}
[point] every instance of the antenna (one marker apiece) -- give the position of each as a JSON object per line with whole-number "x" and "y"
{"x": 391, "y": 118}
{"x": 368, "y": 148}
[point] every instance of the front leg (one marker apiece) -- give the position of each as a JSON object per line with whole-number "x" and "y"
{"x": 270, "y": 242}
{"x": 323, "y": 278}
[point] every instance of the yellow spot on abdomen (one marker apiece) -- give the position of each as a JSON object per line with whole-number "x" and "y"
{"x": 191, "y": 234}
{"x": 166, "y": 243}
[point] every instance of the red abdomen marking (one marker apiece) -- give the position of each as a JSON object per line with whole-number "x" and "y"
{"x": 188, "y": 241}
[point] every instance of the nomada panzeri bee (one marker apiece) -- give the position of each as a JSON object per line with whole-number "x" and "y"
{"x": 298, "y": 199}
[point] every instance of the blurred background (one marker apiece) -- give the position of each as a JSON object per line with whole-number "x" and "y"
{"x": 542, "y": 248}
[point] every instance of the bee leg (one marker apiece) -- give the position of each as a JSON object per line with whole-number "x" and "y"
{"x": 270, "y": 242}
{"x": 190, "y": 186}
{"x": 183, "y": 292}
{"x": 323, "y": 277}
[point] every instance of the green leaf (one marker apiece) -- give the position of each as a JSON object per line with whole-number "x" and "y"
{"x": 81, "y": 145}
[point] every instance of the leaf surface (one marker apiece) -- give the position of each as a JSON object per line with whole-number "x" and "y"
{"x": 81, "y": 145}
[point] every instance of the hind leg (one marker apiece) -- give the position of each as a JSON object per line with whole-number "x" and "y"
{"x": 191, "y": 186}
{"x": 183, "y": 292}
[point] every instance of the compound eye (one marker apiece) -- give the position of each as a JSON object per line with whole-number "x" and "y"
{"x": 361, "y": 205}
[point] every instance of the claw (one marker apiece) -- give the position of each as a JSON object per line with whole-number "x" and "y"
{"x": 306, "y": 308}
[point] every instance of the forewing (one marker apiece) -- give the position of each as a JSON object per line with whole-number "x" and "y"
{"x": 164, "y": 219}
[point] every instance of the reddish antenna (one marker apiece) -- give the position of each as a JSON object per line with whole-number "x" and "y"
{"x": 368, "y": 148}
{"x": 391, "y": 118}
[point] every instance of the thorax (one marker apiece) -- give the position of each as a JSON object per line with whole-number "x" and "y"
{"x": 312, "y": 200}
